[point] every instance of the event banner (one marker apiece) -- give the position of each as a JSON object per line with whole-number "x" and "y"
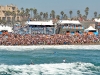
{"x": 43, "y": 30}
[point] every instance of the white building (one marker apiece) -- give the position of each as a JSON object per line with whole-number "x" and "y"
{"x": 41, "y": 27}
{"x": 71, "y": 26}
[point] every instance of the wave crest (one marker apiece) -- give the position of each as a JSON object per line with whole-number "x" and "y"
{"x": 51, "y": 69}
{"x": 42, "y": 47}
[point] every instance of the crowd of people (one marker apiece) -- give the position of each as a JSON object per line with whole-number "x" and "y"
{"x": 57, "y": 39}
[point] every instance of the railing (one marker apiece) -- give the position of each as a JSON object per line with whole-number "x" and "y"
{"x": 71, "y": 27}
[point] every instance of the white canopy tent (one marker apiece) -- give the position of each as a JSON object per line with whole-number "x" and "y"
{"x": 9, "y": 29}
{"x": 69, "y": 22}
{"x": 39, "y": 23}
{"x": 97, "y": 20}
{"x": 90, "y": 29}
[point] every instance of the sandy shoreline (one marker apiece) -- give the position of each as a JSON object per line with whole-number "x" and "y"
{"x": 85, "y": 44}
{"x": 53, "y": 47}
{"x": 88, "y": 44}
{"x": 98, "y": 43}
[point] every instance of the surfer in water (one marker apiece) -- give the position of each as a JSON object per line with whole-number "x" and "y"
{"x": 54, "y": 52}
{"x": 31, "y": 63}
{"x": 64, "y": 60}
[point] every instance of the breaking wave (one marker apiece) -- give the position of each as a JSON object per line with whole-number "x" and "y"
{"x": 36, "y": 47}
{"x": 77, "y": 68}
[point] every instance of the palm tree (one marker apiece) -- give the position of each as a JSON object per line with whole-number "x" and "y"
{"x": 95, "y": 14}
{"x": 27, "y": 11}
{"x": 80, "y": 15}
{"x": 3, "y": 22}
{"x": 53, "y": 14}
{"x": 62, "y": 13}
{"x": 18, "y": 12}
{"x": 78, "y": 12}
{"x": 41, "y": 13}
{"x": 22, "y": 15}
{"x": 7, "y": 13}
{"x": 22, "y": 9}
{"x": 35, "y": 12}
{"x": 38, "y": 17}
{"x": 13, "y": 14}
{"x": 57, "y": 17}
{"x": 70, "y": 12}
{"x": 87, "y": 8}
{"x": 7, "y": 18}
{"x": 65, "y": 16}
{"x": 86, "y": 11}
{"x": 99, "y": 16}
{"x": 84, "y": 17}
{"x": 46, "y": 15}
{"x": 31, "y": 10}
{"x": 50, "y": 16}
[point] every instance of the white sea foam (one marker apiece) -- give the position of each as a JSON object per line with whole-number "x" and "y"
{"x": 42, "y": 47}
{"x": 51, "y": 69}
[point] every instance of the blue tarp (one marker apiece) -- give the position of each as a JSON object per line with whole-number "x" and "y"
{"x": 0, "y": 32}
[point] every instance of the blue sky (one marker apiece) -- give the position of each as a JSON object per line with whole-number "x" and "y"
{"x": 58, "y": 5}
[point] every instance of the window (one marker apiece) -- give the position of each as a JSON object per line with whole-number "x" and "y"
{"x": 98, "y": 26}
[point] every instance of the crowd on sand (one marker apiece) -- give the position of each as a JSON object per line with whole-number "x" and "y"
{"x": 41, "y": 39}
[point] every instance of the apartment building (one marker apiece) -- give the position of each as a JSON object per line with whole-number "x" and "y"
{"x": 9, "y": 8}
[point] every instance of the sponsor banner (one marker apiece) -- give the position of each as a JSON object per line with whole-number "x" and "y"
{"x": 50, "y": 30}
{"x": 43, "y": 30}
{"x": 37, "y": 28}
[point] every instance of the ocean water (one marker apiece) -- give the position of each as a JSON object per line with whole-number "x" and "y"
{"x": 48, "y": 60}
